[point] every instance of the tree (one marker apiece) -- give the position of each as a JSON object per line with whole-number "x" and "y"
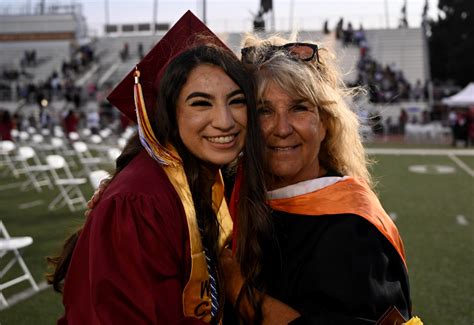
{"x": 452, "y": 42}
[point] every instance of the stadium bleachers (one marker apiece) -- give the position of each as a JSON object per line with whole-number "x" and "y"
{"x": 49, "y": 56}
{"x": 402, "y": 48}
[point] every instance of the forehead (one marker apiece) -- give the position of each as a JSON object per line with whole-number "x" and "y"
{"x": 273, "y": 91}
{"x": 209, "y": 78}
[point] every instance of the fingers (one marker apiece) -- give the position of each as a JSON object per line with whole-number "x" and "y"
{"x": 97, "y": 195}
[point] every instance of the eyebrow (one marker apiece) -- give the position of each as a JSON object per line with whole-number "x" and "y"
{"x": 209, "y": 96}
{"x": 198, "y": 94}
{"x": 293, "y": 102}
{"x": 235, "y": 92}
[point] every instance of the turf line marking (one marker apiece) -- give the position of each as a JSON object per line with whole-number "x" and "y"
{"x": 461, "y": 220}
{"x": 30, "y": 204}
{"x": 10, "y": 186}
{"x": 462, "y": 165}
{"x": 419, "y": 152}
{"x": 23, "y": 295}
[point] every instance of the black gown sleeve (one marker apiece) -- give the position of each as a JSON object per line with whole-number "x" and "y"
{"x": 352, "y": 276}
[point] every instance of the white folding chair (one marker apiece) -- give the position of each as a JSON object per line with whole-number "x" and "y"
{"x": 97, "y": 176}
{"x": 105, "y": 133}
{"x": 73, "y": 136}
{"x": 86, "y": 159}
{"x": 69, "y": 187}
{"x": 113, "y": 153}
{"x": 62, "y": 148}
{"x": 23, "y": 137}
{"x": 35, "y": 171}
{"x": 121, "y": 142}
{"x": 12, "y": 245}
{"x": 41, "y": 147}
{"x": 86, "y": 133}
{"x": 7, "y": 149}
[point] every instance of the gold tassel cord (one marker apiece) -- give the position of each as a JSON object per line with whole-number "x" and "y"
{"x": 147, "y": 137}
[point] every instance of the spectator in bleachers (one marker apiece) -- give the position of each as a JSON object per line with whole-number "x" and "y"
{"x": 19, "y": 121}
{"x": 461, "y": 129}
{"x": 140, "y": 50}
{"x": 359, "y": 36}
{"x": 339, "y": 28}
{"x": 45, "y": 118}
{"x": 29, "y": 58}
{"x": 91, "y": 89}
{"x": 326, "y": 27}
{"x": 402, "y": 121}
{"x": 124, "y": 52}
{"x": 55, "y": 83}
{"x": 348, "y": 35}
{"x": 6, "y": 125}
{"x": 71, "y": 120}
{"x": 93, "y": 121}
{"x": 418, "y": 91}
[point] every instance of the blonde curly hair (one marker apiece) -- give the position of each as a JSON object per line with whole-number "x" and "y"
{"x": 319, "y": 82}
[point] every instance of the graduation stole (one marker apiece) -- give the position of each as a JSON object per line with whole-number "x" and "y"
{"x": 350, "y": 195}
{"x": 196, "y": 294}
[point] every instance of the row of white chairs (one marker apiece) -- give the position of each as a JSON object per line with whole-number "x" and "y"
{"x": 433, "y": 132}
{"x": 53, "y": 173}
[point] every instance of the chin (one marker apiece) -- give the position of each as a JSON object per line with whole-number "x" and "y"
{"x": 219, "y": 160}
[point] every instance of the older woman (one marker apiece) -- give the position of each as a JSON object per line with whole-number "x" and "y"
{"x": 336, "y": 257}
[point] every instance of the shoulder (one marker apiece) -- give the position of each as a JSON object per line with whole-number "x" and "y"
{"x": 141, "y": 177}
{"x": 141, "y": 191}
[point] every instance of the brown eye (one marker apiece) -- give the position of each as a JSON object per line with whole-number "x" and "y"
{"x": 263, "y": 110}
{"x": 201, "y": 103}
{"x": 238, "y": 101}
{"x": 300, "y": 108}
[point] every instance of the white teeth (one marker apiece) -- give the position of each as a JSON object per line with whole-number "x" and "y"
{"x": 282, "y": 148}
{"x": 225, "y": 139}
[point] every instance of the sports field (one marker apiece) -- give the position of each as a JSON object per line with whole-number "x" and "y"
{"x": 433, "y": 207}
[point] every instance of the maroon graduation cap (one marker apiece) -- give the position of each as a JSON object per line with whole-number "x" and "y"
{"x": 138, "y": 91}
{"x": 188, "y": 32}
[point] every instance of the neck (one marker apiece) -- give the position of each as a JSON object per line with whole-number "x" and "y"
{"x": 275, "y": 182}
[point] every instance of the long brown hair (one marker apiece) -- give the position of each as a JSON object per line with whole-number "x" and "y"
{"x": 164, "y": 124}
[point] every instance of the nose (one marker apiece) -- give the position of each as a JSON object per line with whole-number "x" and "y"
{"x": 282, "y": 127}
{"x": 222, "y": 118}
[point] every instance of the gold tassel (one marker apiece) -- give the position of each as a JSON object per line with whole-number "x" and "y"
{"x": 152, "y": 145}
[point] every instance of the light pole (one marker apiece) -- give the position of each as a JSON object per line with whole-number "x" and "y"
{"x": 387, "y": 24}
{"x": 155, "y": 7}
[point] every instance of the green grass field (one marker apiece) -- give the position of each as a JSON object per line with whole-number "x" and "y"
{"x": 440, "y": 249}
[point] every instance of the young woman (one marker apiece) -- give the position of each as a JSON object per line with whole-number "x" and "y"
{"x": 148, "y": 252}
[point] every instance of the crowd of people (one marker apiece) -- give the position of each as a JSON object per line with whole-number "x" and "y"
{"x": 385, "y": 83}
{"x": 60, "y": 84}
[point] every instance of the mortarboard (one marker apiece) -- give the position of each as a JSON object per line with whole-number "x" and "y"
{"x": 139, "y": 89}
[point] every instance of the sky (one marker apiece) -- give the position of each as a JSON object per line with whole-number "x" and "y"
{"x": 230, "y": 16}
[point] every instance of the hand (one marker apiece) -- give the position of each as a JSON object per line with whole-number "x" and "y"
{"x": 232, "y": 276}
{"x": 97, "y": 195}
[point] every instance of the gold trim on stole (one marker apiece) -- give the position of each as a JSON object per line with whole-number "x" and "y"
{"x": 196, "y": 294}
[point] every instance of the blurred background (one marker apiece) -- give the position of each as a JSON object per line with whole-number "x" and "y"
{"x": 59, "y": 136}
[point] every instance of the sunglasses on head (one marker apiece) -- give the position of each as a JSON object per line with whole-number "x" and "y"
{"x": 298, "y": 51}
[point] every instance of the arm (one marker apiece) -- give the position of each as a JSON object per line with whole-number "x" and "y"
{"x": 137, "y": 262}
{"x": 274, "y": 311}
